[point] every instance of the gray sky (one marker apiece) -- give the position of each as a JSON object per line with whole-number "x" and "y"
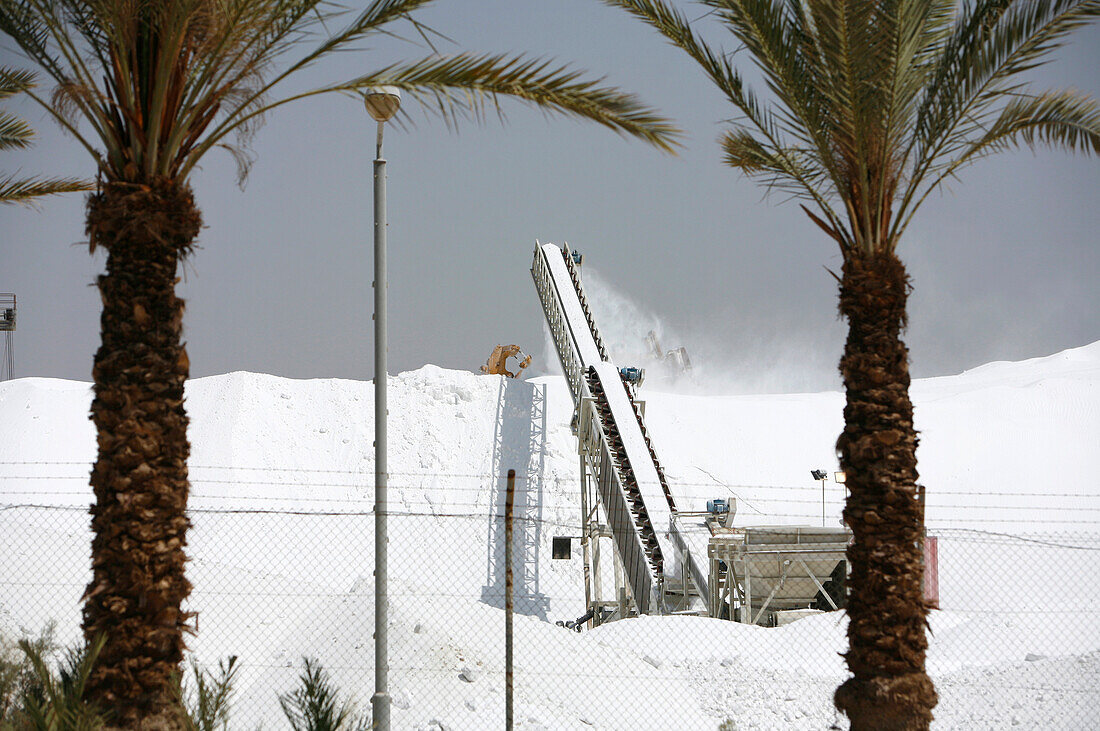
{"x": 1005, "y": 264}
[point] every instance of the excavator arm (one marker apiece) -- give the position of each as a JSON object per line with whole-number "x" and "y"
{"x": 497, "y": 363}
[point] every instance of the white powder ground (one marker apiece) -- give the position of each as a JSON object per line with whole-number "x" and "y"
{"x": 1006, "y": 449}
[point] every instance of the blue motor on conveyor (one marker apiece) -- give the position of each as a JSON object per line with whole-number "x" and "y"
{"x": 633, "y": 376}
{"x": 720, "y": 505}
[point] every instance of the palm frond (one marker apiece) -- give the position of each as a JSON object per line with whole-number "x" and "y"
{"x": 921, "y": 30}
{"x": 13, "y": 190}
{"x": 161, "y": 84}
{"x": 992, "y": 44}
{"x": 34, "y": 26}
{"x": 1065, "y": 119}
{"x": 1059, "y": 119}
{"x": 467, "y": 85}
{"x": 25, "y": 23}
{"x": 674, "y": 26}
{"x": 776, "y": 169}
{"x": 778, "y": 45}
{"x": 15, "y": 134}
{"x": 872, "y": 103}
{"x": 976, "y": 82}
{"x": 849, "y": 65}
{"x": 718, "y": 68}
{"x": 14, "y": 81}
{"x": 377, "y": 15}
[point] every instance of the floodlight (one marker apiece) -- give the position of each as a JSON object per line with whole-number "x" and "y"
{"x": 383, "y": 102}
{"x": 819, "y": 474}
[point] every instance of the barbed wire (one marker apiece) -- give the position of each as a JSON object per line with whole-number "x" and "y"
{"x": 1014, "y": 537}
{"x": 931, "y": 501}
{"x": 932, "y": 525}
{"x": 520, "y": 477}
{"x": 933, "y": 505}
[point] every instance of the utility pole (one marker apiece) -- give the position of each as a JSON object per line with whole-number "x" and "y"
{"x": 509, "y": 501}
{"x": 382, "y": 104}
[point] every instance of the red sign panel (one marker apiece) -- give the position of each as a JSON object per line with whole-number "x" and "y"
{"x": 931, "y": 572}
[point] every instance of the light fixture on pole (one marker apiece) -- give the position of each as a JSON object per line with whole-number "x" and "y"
{"x": 382, "y": 103}
{"x": 821, "y": 475}
{"x": 7, "y": 327}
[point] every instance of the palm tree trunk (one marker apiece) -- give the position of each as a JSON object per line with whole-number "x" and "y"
{"x": 139, "y": 519}
{"x": 886, "y": 610}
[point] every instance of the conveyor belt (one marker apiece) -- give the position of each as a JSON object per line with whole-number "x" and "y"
{"x": 612, "y": 435}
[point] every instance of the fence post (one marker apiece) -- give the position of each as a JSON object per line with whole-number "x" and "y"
{"x": 508, "y": 501}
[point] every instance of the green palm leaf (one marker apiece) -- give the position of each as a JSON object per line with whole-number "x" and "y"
{"x": 772, "y": 125}
{"x": 992, "y": 43}
{"x": 887, "y": 97}
{"x": 16, "y": 134}
{"x": 467, "y": 86}
{"x": 1057, "y": 119}
{"x": 25, "y": 191}
{"x": 161, "y": 84}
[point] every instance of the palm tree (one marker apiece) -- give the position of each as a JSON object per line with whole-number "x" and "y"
{"x": 148, "y": 88}
{"x": 875, "y": 104}
{"x": 15, "y": 134}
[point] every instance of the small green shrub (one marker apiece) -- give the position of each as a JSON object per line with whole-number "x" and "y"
{"x": 55, "y": 702}
{"x": 17, "y": 675}
{"x": 315, "y": 705}
{"x": 206, "y": 708}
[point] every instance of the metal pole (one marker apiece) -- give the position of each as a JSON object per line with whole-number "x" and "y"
{"x": 822, "y": 502}
{"x": 587, "y": 548}
{"x": 380, "y": 702}
{"x": 508, "y": 501}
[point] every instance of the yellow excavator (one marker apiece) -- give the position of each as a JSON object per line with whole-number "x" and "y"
{"x": 496, "y": 364}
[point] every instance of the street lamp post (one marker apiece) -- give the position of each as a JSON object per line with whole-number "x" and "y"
{"x": 821, "y": 475}
{"x": 382, "y": 104}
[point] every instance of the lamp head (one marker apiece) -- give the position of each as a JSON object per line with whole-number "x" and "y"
{"x": 382, "y": 102}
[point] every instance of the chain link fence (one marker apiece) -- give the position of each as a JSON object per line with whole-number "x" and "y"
{"x": 279, "y": 578}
